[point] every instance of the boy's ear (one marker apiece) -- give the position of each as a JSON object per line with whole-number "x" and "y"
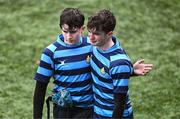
{"x": 83, "y": 27}
{"x": 110, "y": 33}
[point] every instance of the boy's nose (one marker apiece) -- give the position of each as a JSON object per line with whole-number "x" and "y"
{"x": 91, "y": 36}
{"x": 69, "y": 35}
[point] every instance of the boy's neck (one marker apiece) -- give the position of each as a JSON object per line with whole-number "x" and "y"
{"x": 107, "y": 45}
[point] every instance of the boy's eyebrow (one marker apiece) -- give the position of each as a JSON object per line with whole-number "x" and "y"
{"x": 92, "y": 30}
{"x": 73, "y": 29}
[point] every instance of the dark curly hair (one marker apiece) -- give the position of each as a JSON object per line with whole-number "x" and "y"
{"x": 73, "y": 17}
{"x": 103, "y": 20}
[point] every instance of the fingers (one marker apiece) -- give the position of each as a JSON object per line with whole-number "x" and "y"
{"x": 143, "y": 73}
{"x": 148, "y": 65}
{"x": 146, "y": 71}
{"x": 140, "y": 61}
{"x": 148, "y": 68}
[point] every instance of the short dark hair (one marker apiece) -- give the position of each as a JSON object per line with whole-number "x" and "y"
{"x": 73, "y": 17}
{"x": 103, "y": 20}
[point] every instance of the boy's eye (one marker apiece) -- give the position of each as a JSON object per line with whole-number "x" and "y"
{"x": 71, "y": 32}
{"x": 65, "y": 31}
{"x": 96, "y": 33}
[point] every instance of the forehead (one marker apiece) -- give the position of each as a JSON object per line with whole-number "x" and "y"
{"x": 66, "y": 27}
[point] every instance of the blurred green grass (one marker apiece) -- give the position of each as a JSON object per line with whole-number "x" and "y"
{"x": 147, "y": 29}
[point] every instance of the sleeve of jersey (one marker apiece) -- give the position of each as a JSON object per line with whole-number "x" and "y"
{"x": 46, "y": 66}
{"x": 120, "y": 73}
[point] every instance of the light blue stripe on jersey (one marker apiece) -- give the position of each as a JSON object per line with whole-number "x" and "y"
{"x": 73, "y": 78}
{"x": 127, "y": 112}
{"x": 44, "y": 71}
{"x": 121, "y": 82}
{"x": 96, "y": 68}
{"x": 85, "y": 88}
{"x": 46, "y": 59}
{"x": 132, "y": 70}
{"x": 107, "y": 85}
{"x": 88, "y": 40}
{"x": 80, "y": 98}
{"x": 73, "y": 52}
{"x": 101, "y": 58}
{"x": 99, "y": 101}
{"x": 52, "y": 47}
{"x": 102, "y": 94}
{"x": 120, "y": 69}
{"x": 119, "y": 56}
{"x": 73, "y": 65}
{"x": 99, "y": 111}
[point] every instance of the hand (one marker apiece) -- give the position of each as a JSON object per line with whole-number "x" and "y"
{"x": 141, "y": 69}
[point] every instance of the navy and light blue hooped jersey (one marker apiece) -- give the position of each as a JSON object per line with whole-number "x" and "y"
{"x": 111, "y": 70}
{"x": 69, "y": 65}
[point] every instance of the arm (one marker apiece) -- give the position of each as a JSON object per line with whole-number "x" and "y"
{"x": 119, "y": 100}
{"x": 120, "y": 72}
{"x": 38, "y": 101}
{"x": 141, "y": 69}
{"x": 43, "y": 74}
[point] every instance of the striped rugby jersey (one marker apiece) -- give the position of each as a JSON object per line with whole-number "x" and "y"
{"x": 111, "y": 70}
{"x": 69, "y": 65}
